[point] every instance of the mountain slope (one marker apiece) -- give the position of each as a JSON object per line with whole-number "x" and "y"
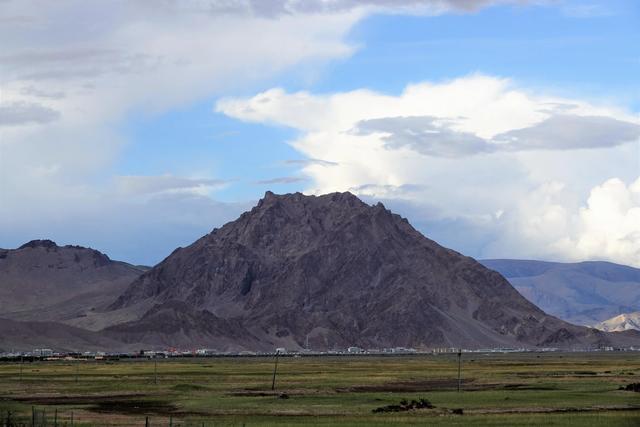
{"x": 28, "y": 335}
{"x": 342, "y": 273}
{"x": 41, "y": 281}
{"x": 583, "y": 293}
{"x": 622, "y": 322}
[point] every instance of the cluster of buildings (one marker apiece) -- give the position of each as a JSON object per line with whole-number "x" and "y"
{"x": 49, "y": 354}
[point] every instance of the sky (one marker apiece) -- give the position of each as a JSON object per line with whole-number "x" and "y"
{"x": 501, "y": 129}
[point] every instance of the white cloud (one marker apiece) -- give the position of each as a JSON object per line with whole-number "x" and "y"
{"x": 505, "y": 164}
{"x": 68, "y": 80}
{"x": 282, "y": 180}
{"x": 152, "y": 185}
{"x": 608, "y": 226}
{"x": 73, "y": 70}
{"x": 272, "y": 8}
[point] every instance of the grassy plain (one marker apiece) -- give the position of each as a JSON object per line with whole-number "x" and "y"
{"x": 548, "y": 389}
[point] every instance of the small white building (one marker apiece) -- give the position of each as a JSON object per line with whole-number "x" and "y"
{"x": 43, "y": 352}
{"x": 206, "y": 352}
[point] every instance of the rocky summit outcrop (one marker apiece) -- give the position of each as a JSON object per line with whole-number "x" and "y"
{"x": 336, "y": 272}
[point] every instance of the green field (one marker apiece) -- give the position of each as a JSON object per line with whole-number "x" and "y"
{"x": 550, "y": 389}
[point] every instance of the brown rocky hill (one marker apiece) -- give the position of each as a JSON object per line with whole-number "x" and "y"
{"x": 41, "y": 281}
{"x": 338, "y": 272}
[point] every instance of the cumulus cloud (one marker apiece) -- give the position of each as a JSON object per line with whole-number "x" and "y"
{"x": 508, "y": 165}
{"x": 74, "y": 80}
{"x": 69, "y": 80}
{"x": 608, "y": 226}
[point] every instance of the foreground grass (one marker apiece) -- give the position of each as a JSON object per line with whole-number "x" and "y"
{"x": 579, "y": 389}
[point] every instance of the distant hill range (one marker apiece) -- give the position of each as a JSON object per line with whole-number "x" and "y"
{"x": 584, "y": 293}
{"x": 50, "y": 294}
{"x": 328, "y": 270}
{"x": 622, "y": 322}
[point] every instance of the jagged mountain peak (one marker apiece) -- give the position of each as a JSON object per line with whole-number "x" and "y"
{"x": 341, "y": 272}
{"x": 39, "y": 243}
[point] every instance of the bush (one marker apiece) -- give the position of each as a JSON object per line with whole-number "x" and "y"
{"x": 405, "y": 405}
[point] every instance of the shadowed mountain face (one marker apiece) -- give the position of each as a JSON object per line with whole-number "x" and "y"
{"x": 583, "y": 293}
{"x": 340, "y": 272}
{"x": 41, "y": 281}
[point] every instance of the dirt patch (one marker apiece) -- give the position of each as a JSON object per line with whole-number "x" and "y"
{"x": 551, "y": 410}
{"x": 527, "y": 387}
{"x": 124, "y": 404}
{"x": 74, "y": 399}
{"x": 248, "y": 392}
{"x": 251, "y": 393}
{"x": 410, "y": 386}
{"x": 440, "y": 385}
{"x": 135, "y": 407}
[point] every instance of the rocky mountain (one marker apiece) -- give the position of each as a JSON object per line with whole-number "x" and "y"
{"x": 622, "y": 322}
{"x": 584, "y": 293}
{"x": 338, "y": 272}
{"x": 41, "y": 281}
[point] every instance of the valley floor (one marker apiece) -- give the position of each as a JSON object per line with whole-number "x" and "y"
{"x": 550, "y": 389}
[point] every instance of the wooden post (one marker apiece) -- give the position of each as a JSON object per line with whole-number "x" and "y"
{"x": 146, "y": 422}
{"x": 77, "y": 369}
{"x": 459, "y": 368}
{"x": 55, "y": 418}
{"x": 155, "y": 371}
{"x": 21, "y": 364}
{"x": 275, "y": 369}
{"x": 71, "y": 418}
{"x": 33, "y": 416}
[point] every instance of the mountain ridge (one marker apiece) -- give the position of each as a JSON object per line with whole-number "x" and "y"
{"x": 585, "y": 292}
{"x": 41, "y": 281}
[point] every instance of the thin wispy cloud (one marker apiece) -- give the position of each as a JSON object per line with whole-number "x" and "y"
{"x": 283, "y": 180}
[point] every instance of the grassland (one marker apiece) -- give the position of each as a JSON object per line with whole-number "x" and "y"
{"x": 550, "y": 389}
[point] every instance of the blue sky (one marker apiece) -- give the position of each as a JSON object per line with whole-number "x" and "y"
{"x": 146, "y": 131}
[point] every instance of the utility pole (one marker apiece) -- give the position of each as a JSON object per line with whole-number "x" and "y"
{"x": 21, "y": 363}
{"x": 275, "y": 369}
{"x": 77, "y": 368}
{"x": 155, "y": 370}
{"x": 459, "y": 368}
